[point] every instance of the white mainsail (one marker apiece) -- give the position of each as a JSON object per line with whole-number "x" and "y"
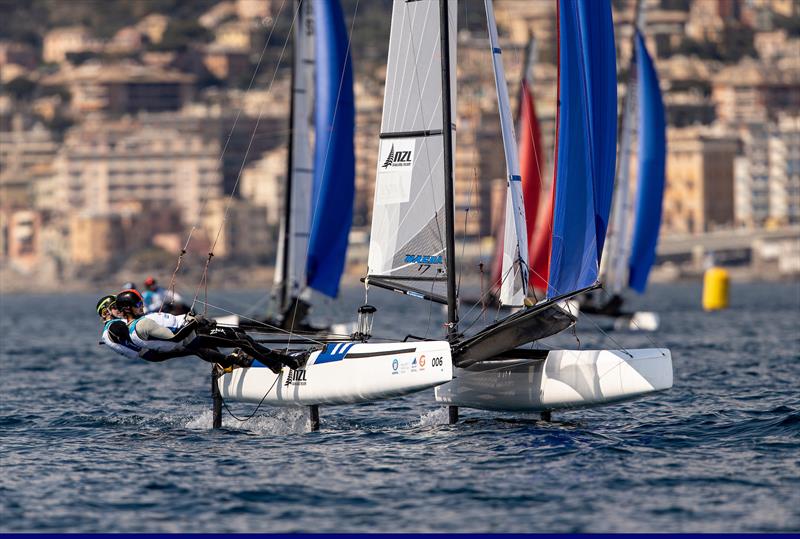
{"x": 294, "y": 228}
{"x": 614, "y": 264}
{"x": 617, "y": 250}
{"x": 514, "y": 274}
{"x": 407, "y": 244}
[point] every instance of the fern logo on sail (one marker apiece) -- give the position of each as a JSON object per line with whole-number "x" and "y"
{"x": 397, "y": 158}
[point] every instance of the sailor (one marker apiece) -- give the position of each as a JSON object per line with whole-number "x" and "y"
{"x": 159, "y": 299}
{"x": 170, "y": 333}
{"x": 116, "y": 336}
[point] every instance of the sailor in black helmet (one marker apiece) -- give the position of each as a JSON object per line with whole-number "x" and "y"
{"x": 190, "y": 332}
{"x": 116, "y": 336}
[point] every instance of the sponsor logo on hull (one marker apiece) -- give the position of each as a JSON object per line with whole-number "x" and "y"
{"x": 295, "y": 378}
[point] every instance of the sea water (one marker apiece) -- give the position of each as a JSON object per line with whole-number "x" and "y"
{"x": 94, "y": 442}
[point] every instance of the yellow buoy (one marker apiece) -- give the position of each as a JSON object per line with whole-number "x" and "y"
{"x": 715, "y": 289}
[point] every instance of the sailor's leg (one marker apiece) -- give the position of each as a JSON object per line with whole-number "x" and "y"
{"x": 211, "y": 355}
{"x": 225, "y": 337}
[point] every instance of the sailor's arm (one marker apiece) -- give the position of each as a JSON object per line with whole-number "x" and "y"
{"x": 147, "y": 330}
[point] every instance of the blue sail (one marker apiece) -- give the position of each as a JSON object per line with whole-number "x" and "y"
{"x": 334, "y": 156}
{"x": 650, "y": 181}
{"x": 586, "y": 147}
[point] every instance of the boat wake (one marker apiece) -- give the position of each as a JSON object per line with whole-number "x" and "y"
{"x": 278, "y": 421}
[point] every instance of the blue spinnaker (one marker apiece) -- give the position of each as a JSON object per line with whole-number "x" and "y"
{"x": 652, "y": 153}
{"x": 586, "y": 147}
{"x": 334, "y": 157}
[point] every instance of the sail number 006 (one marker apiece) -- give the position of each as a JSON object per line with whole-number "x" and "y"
{"x": 437, "y": 362}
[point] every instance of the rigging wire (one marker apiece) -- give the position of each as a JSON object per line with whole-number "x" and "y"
{"x": 261, "y": 322}
{"x": 204, "y": 278}
{"x": 206, "y": 199}
{"x": 243, "y": 419}
{"x": 328, "y": 145}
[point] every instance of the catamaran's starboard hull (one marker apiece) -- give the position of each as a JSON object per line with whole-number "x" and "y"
{"x": 345, "y": 373}
{"x": 564, "y": 379}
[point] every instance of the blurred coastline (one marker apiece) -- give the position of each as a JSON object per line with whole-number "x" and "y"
{"x": 127, "y": 125}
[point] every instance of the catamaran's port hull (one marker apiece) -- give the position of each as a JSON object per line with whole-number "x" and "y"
{"x": 564, "y": 379}
{"x": 345, "y": 373}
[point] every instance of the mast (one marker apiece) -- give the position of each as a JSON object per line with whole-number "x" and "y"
{"x": 449, "y": 200}
{"x": 295, "y": 216}
{"x": 287, "y": 195}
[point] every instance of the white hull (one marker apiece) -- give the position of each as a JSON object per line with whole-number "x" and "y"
{"x": 345, "y": 373}
{"x": 564, "y": 379}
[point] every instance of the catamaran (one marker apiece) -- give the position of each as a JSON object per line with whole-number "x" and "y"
{"x": 630, "y": 251}
{"x": 412, "y": 245}
{"x": 317, "y": 209}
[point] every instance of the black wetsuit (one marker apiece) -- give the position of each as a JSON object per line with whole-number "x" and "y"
{"x": 230, "y": 337}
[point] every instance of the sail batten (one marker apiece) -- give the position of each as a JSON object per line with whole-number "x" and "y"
{"x": 408, "y": 237}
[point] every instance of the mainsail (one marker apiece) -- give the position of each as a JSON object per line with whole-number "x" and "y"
{"x": 630, "y": 250}
{"x": 334, "y": 157}
{"x": 514, "y": 273}
{"x": 586, "y": 147}
{"x": 614, "y": 267}
{"x": 652, "y": 152}
{"x": 407, "y": 249}
{"x": 290, "y": 267}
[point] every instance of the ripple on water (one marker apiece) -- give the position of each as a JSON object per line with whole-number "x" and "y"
{"x": 101, "y": 444}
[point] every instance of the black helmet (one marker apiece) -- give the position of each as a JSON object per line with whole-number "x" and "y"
{"x": 129, "y": 299}
{"x": 104, "y": 303}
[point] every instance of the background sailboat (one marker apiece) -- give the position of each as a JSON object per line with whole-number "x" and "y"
{"x": 630, "y": 252}
{"x": 317, "y": 209}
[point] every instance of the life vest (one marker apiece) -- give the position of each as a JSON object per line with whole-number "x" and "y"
{"x": 166, "y": 320}
{"x": 127, "y": 349}
{"x": 157, "y": 344}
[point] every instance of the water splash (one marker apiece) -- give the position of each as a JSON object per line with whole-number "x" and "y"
{"x": 279, "y": 421}
{"x": 432, "y": 418}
